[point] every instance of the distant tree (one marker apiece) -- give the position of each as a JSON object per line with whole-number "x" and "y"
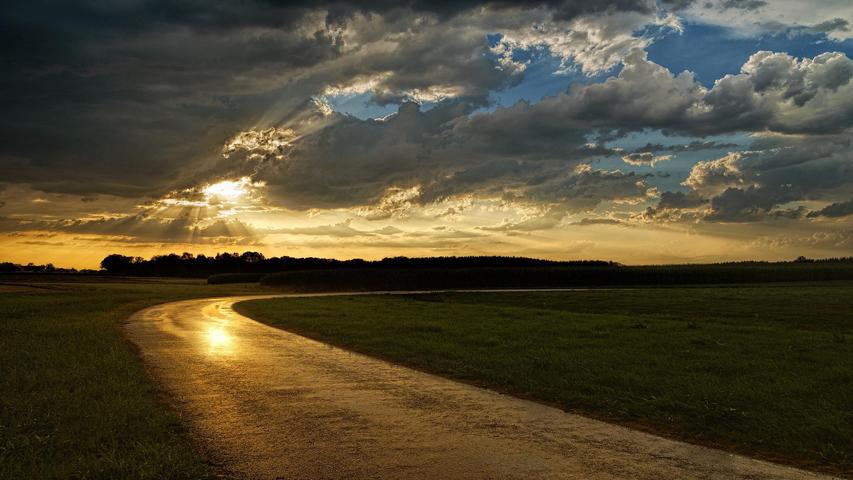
{"x": 252, "y": 257}
{"x": 32, "y": 267}
{"x": 9, "y": 267}
{"x": 116, "y": 263}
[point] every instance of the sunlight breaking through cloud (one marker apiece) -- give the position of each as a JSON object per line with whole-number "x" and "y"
{"x": 640, "y": 131}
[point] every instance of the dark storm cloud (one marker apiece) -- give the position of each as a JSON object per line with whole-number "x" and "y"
{"x": 585, "y": 222}
{"x": 565, "y": 10}
{"x": 347, "y": 162}
{"x": 585, "y": 188}
{"x": 183, "y": 228}
{"x": 835, "y": 210}
{"x": 743, "y": 4}
{"x": 675, "y": 206}
{"x": 719, "y": 5}
{"x": 679, "y": 200}
{"x": 125, "y": 97}
{"x": 532, "y": 150}
{"x": 694, "y": 146}
{"x": 833, "y": 25}
{"x": 352, "y": 162}
{"x": 751, "y": 185}
{"x": 546, "y": 221}
{"x": 137, "y": 98}
{"x": 774, "y": 92}
{"x": 677, "y": 5}
{"x": 115, "y": 98}
{"x": 747, "y": 204}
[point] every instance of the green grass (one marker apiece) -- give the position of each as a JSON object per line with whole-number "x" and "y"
{"x": 75, "y": 400}
{"x": 763, "y": 370}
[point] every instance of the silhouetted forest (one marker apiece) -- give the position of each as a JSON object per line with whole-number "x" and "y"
{"x": 9, "y": 267}
{"x": 403, "y": 273}
{"x": 400, "y": 273}
{"x": 189, "y": 265}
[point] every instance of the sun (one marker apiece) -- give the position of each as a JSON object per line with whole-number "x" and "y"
{"x": 227, "y": 190}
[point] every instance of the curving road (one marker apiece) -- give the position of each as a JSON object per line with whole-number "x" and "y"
{"x": 267, "y": 403}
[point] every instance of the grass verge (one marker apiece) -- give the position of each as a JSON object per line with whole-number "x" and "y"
{"x": 76, "y": 402}
{"x": 763, "y": 370}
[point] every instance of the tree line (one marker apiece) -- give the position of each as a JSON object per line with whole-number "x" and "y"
{"x": 189, "y": 265}
{"x": 255, "y": 263}
{"x": 9, "y": 267}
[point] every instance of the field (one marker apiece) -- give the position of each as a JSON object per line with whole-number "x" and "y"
{"x": 763, "y": 370}
{"x": 75, "y": 400}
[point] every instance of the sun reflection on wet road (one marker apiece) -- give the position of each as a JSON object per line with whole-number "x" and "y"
{"x": 218, "y": 337}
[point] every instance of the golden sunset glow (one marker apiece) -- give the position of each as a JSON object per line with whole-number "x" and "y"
{"x": 508, "y": 131}
{"x": 227, "y": 190}
{"x": 218, "y": 338}
{"x": 315, "y": 238}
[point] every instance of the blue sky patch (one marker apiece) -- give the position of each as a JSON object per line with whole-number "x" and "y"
{"x": 712, "y": 52}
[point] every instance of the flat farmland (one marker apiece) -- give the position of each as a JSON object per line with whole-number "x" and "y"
{"x": 761, "y": 370}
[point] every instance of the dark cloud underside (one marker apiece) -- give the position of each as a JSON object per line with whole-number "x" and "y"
{"x": 137, "y": 99}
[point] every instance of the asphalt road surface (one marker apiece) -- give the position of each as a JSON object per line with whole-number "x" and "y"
{"x": 266, "y": 403}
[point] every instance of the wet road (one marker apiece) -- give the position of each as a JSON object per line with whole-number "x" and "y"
{"x": 270, "y": 404}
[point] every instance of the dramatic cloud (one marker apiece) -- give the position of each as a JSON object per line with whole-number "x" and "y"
{"x": 597, "y": 221}
{"x": 833, "y": 25}
{"x": 541, "y": 222}
{"x": 418, "y": 52}
{"x": 714, "y": 176}
{"x": 131, "y": 98}
{"x": 743, "y": 186}
{"x": 532, "y": 150}
{"x": 774, "y": 92}
{"x": 645, "y": 158}
{"x": 343, "y": 229}
{"x": 694, "y": 146}
{"x": 743, "y": 4}
{"x": 758, "y": 17}
{"x": 513, "y": 122}
{"x": 679, "y": 200}
{"x": 184, "y": 229}
{"x": 596, "y": 44}
{"x": 835, "y": 210}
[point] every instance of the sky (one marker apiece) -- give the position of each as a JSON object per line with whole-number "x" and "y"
{"x": 638, "y": 131}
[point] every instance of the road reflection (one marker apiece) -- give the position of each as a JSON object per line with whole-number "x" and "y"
{"x": 218, "y": 338}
